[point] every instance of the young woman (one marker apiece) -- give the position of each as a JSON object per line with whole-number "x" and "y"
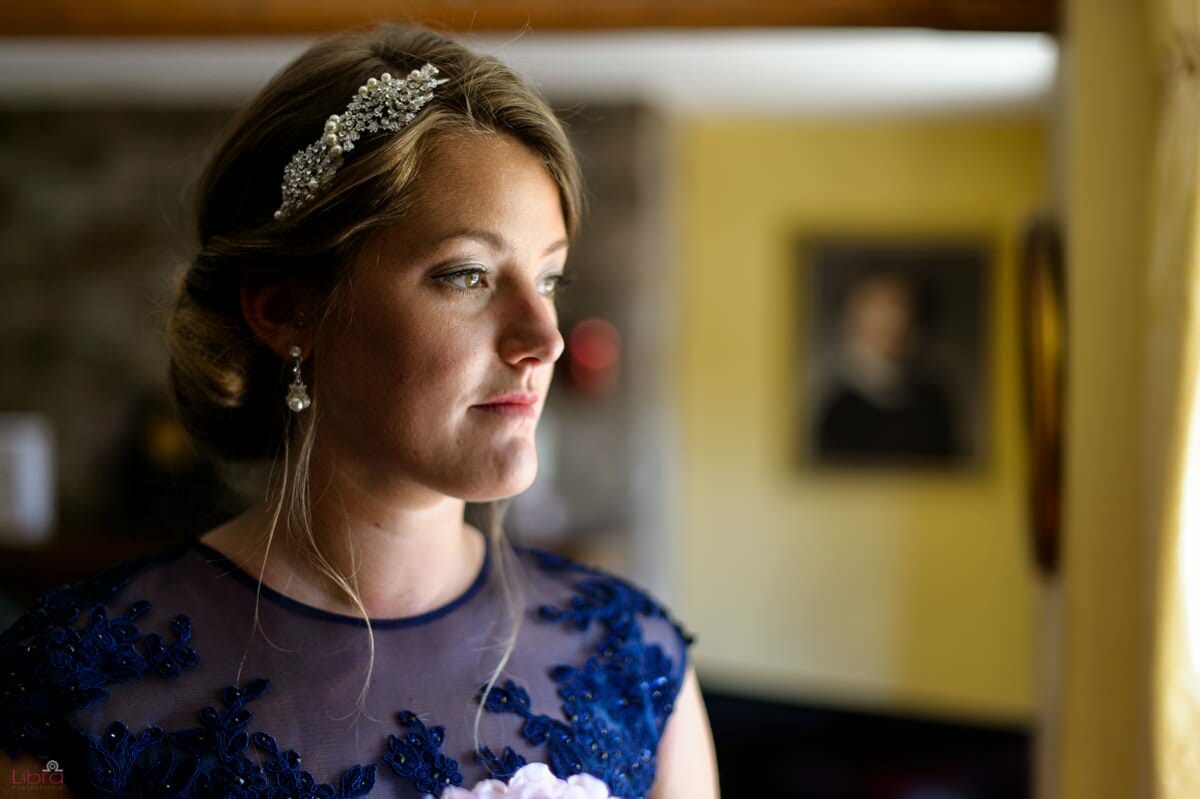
{"x": 383, "y": 331}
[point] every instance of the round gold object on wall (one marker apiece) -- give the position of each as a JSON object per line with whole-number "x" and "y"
{"x": 1044, "y": 355}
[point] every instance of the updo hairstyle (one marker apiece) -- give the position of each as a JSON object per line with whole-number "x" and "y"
{"x": 228, "y": 386}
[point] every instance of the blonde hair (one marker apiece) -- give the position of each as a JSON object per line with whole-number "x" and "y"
{"x": 227, "y": 385}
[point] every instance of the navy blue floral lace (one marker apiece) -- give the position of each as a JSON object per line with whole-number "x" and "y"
{"x": 616, "y": 705}
{"x": 68, "y": 652}
{"x": 210, "y": 760}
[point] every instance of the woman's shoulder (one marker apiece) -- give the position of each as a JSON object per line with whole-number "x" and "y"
{"x": 580, "y": 597}
{"x": 612, "y": 656}
{"x": 65, "y": 603}
{"x": 558, "y": 569}
{"x": 61, "y": 655}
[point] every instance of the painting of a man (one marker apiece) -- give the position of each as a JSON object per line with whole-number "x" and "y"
{"x": 893, "y": 368}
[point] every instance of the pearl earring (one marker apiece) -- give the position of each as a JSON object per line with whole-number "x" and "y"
{"x": 297, "y": 394}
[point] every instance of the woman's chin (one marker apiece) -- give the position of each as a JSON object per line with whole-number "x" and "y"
{"x": 504, "y": 483}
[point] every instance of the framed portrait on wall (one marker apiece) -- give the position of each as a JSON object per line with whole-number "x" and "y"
{"x": 894, "y": 351}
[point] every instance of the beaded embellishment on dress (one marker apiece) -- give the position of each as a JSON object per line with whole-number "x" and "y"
{"x": 91, "y": 684}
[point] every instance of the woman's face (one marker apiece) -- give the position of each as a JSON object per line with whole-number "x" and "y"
{"x": 448, "y": 311}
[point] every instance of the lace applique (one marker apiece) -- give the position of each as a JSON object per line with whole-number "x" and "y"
{"x": 617, "y": 704}
{"x": 111, "y": 761}
{"x": 64, "y": 654}
{"x": 210, "y": 760}
{"x": 417, "y": 756}
{"x": 287, "y": 780}
{"x": 603, "y": 598}
{"x": 502, "y": 766}
{"x": 540, "y": 730}
{"x": 52, "y": 666}
{"x": 63, "y": 605}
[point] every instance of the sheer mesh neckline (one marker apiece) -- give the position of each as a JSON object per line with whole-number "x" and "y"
{"x": 154, "y": 674}
{"x": 219, "y": 560}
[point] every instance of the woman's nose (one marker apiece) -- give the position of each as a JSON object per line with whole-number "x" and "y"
{"x": 529, "y": 329}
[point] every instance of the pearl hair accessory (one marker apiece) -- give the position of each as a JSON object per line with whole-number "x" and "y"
{"x": 382, "y": 103}
{"x": 297, "y": 394}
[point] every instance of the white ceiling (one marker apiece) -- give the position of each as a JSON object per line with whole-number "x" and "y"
{"x": 743, "y": 72}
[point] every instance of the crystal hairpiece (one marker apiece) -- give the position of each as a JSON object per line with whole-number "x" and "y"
{"x": 380, "y": 104}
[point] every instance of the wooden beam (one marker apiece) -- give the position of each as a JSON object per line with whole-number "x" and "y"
{"x": 282, "y": 17}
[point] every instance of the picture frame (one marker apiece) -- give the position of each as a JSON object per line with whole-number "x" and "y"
{"x": 895, "y": 351}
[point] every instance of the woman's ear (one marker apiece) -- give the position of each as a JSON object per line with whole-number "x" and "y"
{"x": 278, "y": 313}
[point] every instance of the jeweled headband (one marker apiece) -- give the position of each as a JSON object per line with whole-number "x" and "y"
{"x": 380, "y": 104}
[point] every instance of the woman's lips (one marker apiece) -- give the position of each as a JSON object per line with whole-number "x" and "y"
{"x": 516, "y": 410}
{"x": 517, "y": 406}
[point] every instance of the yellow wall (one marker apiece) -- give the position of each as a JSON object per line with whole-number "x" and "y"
{"x": 909, "y": 591}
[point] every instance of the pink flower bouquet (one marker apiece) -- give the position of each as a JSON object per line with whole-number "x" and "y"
{"x": 534, "y": 781}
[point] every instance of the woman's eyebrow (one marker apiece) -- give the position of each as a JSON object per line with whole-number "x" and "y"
{"x": 487, "y": 237}
{"x": 495, "y": 240}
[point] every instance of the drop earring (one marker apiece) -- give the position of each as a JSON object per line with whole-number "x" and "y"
{"x": 297, "y": 394}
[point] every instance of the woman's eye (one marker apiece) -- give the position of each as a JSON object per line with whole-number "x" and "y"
{"x": 466, "y": 279}
{"x": 551, "y": 285}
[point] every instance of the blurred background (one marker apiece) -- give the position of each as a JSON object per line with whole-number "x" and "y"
{"x": 804, "y": 218}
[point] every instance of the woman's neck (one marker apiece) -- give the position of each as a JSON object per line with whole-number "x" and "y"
{"x": 401, "y": 560}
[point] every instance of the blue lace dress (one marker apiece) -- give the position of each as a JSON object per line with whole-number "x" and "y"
{"x": 154, "y": 681}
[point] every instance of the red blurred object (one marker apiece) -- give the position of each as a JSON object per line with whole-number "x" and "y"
{"x": 593, "y": 355}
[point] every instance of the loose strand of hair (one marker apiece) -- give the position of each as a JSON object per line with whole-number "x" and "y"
{"x": 301, "y": 527}
{"x": 277, "y": 504}
{"x": 360, "y": 706}
{"x": 507, "y": 564}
